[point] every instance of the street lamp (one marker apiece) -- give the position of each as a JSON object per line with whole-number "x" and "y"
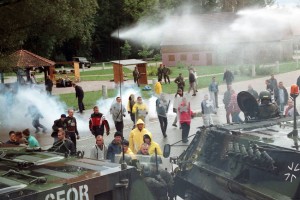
{"x": 294, "y": 94}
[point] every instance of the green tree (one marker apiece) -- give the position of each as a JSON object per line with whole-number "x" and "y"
{"x": 156, "y": 58}
{"x": 145, "y": 52}
{"x": 126, "y": 50}
{"x": 44, "y": 26}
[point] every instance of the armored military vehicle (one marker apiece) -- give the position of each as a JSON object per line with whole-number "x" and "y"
{"x": 43, "y": 175}
{"x": 254, "y": 160}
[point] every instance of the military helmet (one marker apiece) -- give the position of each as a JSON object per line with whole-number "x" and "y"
{"x": 265, "y": 95}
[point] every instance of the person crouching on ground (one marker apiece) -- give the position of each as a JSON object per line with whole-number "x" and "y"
{"x": 185, "y": 116}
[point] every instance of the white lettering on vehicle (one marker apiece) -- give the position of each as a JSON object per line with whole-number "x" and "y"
{"x": 70, "y": 194}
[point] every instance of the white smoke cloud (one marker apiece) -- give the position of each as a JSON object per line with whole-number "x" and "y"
{"x": 254, "y": 24}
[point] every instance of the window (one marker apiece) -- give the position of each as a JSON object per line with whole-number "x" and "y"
{"x": 195, "y": 56}
{"x": 171, "y": 58}
{"x": 183, "y": 57}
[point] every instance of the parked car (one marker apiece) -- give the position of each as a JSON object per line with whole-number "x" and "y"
{"x": 82, "y": 62}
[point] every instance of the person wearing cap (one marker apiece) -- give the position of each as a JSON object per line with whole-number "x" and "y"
{"x": 32, "y": 141}
{"x": 152, "y": 145}
{"x": 59, "y": 123}
{"x": 136, "y": 136}
{"x": 99, "y": 150}
{"x": 115, "y": 147}
{"x": 162, "y": 107}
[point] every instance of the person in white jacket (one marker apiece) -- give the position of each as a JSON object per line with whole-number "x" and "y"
{"x": 99, "y": 150}
{"x": 177, "y": 100}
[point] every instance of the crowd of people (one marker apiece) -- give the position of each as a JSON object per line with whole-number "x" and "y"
{"x": 273, "y": 101}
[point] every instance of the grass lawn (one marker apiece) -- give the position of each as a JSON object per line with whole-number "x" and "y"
{"x": 90, "y": 98}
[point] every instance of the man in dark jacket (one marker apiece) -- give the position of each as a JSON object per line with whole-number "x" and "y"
{"x": 115, "y": 147}
{"x": 98, "y": 122}
{"x": 63, "y": 145}
{"x": 136, "y": 76}
{"x": 79, "y": 95}
{"x": 71, "y": 127}
{"x": 228, "y": 77}
{"x": 59, "y": 123}
{"x": 49, "y": 85}
{"x": 281, "y": 97}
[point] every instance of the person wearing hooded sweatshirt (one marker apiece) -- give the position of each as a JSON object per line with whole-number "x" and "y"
{"x": 136, "y": 136}
{"x": 140, "y": 109}
{"x": 115, "y": 147}
{"x": 162, "y": 107}
{"x": 185, "y": 116}
{"x": 152, "y": 145}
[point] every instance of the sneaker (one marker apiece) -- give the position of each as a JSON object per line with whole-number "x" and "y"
{"x": 174, "y": 125}
{"x": 194, "y": 95}
{"x": 185, "y": 141}
{"x": 165, "y": 135}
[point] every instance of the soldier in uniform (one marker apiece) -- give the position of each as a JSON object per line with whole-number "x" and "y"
{"x": 267, "y": 109}
{"x": 180, "y": 82}
{"x": 166, "y": 73}
{"x": 136, "y": 76}
{"x": 160, "y": 72}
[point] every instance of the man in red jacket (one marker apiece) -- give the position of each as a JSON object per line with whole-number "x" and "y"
{"x": 185, "y": 115}
{"x": 98, "y": 122}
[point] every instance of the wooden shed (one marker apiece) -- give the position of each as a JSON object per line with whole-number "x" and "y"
{"x": 29, "y": 61}
{"x": 119, "y": 74}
